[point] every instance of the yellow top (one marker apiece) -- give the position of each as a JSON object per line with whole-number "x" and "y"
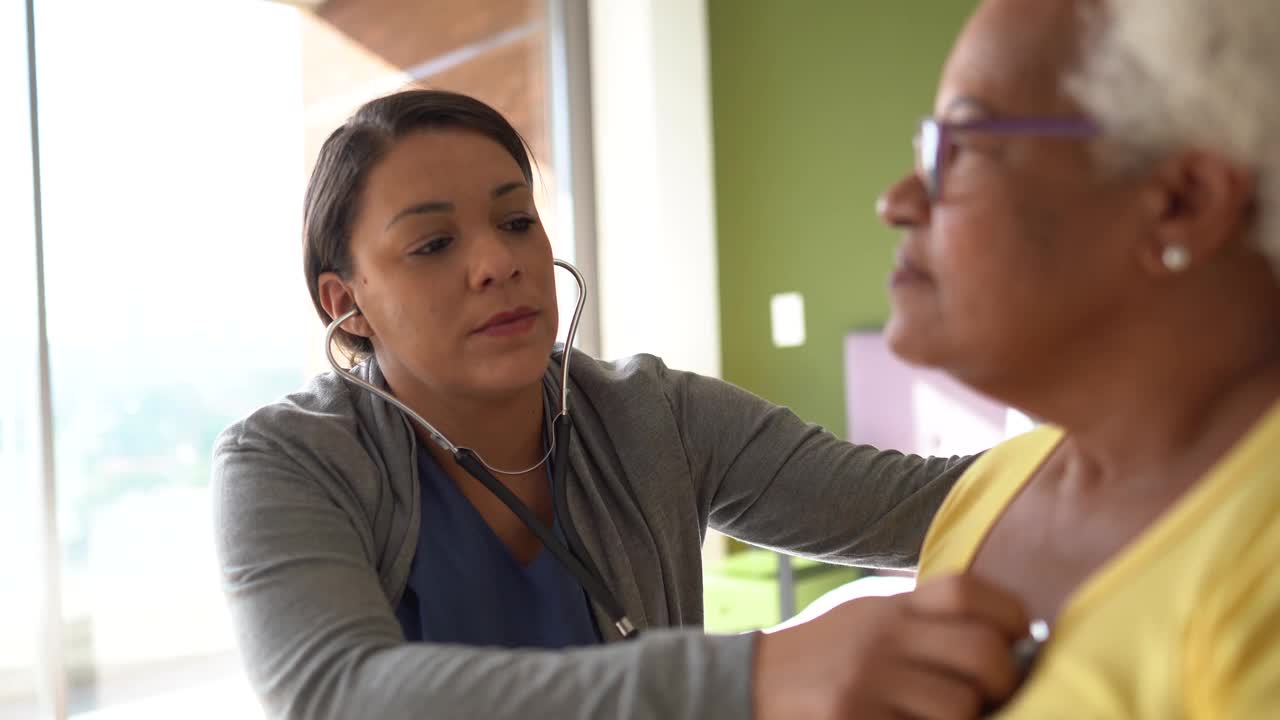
{"x": 1182, "y": 623}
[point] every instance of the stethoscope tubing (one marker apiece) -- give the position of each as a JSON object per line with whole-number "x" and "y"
{"x": 469, "y": 460}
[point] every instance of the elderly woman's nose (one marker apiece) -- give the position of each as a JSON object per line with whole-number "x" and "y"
{"x": 905, "y": 203}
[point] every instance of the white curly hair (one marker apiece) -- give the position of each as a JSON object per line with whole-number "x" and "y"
{"x": 1163, "y": 74}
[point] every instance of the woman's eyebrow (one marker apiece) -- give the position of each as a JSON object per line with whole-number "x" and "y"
{"x": 420, "y": 208}
{"x": 507, "y": 187}
{"x": 431, "y": 206}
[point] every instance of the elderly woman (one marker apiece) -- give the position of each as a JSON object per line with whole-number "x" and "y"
{"x": 1091, "y": 235}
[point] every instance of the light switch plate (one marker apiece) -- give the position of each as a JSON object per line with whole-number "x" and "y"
{"x": 787, "y": 314}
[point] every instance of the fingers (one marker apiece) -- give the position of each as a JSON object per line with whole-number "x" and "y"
{"x": 970, "y": 597}
{"x": 926, "y": 695}
{"x": 971, "y": 652}
{"x": 943, "y": 652}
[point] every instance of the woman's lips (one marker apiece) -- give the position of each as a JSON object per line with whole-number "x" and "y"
{"x": 509, "y": 324}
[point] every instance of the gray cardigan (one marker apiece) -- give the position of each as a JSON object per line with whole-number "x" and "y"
{"x": 317, "y": 513}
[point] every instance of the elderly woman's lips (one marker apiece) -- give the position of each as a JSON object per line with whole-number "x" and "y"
{"x": 906, "y": 274}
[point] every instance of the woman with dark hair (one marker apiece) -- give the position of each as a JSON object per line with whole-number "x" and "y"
{"x": 370, "y": 575}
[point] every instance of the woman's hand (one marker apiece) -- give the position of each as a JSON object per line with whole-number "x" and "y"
{"x": 942, "y": 652}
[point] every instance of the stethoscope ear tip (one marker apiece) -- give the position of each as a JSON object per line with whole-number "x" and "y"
{"x": 354, "y": 311}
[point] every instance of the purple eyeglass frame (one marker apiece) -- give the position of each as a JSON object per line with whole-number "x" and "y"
{"x": 932, "y": 139}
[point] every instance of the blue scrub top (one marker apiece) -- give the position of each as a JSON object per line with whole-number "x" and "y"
{"x": 464, "y": 586}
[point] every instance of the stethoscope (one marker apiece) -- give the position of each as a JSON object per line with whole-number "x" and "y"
{"x": 579, "y": 565}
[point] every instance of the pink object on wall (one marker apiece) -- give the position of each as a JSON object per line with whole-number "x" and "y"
{"x": 895, "y": 406}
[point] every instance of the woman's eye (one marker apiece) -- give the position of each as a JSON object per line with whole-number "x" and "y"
{"x": 434, "y": 246}
{"x": 519, "y": 225}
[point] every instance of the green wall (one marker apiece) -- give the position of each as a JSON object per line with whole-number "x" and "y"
{"x": 814, "y": 104}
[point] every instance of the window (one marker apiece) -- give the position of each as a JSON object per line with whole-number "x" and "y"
{"x": 20, "y": 441}
{"x": 175, "y": 140}
{"x": 170, "y": 181}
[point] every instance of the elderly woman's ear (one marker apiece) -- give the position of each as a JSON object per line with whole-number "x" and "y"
{"x": 1200, "y": 205}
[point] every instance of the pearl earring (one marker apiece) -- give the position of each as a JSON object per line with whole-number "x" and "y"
{"x": 1176, "y": 258}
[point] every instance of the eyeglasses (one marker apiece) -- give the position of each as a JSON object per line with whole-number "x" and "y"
{"x": 934, "y": 141}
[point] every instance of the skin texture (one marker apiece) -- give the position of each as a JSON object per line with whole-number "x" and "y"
{"x": 1037, "y": 278}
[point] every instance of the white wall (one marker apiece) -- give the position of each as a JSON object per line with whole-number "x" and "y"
{"x": 655, "y": 201}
